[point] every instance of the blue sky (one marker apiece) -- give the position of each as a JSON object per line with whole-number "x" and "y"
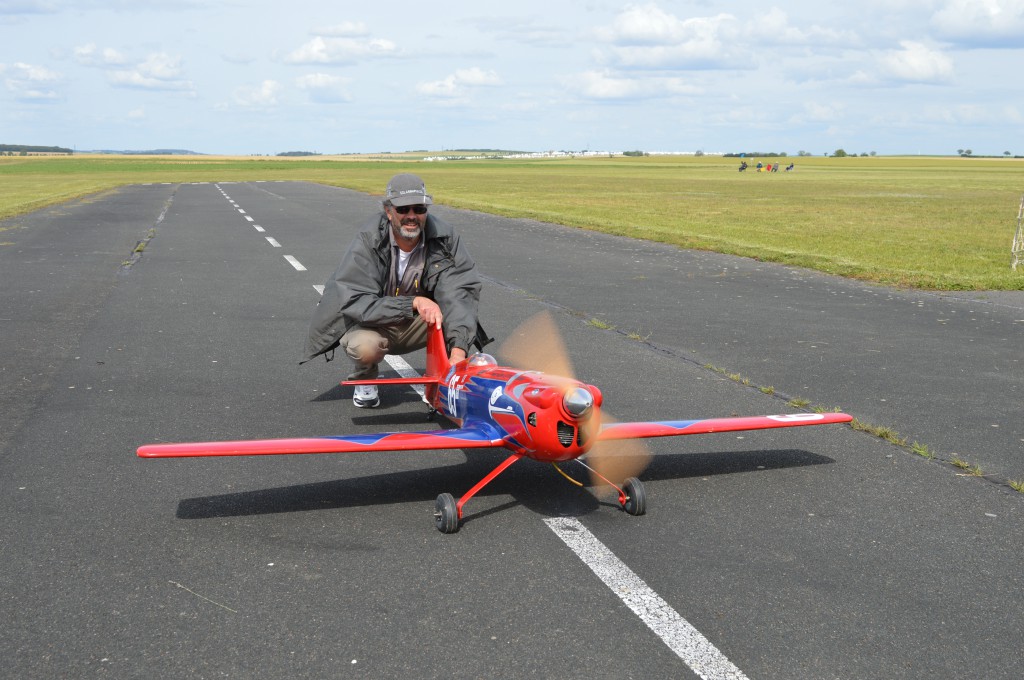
{"x": 263, "y": 77}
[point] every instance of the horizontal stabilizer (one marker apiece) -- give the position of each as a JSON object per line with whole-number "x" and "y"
{"x": 415, "y": 380}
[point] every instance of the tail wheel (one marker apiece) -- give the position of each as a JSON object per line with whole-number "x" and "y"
{"x": 636, "y": 497}
{"x": 446, "y": 514}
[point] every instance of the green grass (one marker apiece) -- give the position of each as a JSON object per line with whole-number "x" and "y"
{"x": 940, "y": 223}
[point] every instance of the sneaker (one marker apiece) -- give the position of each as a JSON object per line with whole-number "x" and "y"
{"x": 366, "y": 396}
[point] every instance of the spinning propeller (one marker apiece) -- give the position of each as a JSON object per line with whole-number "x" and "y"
{"x": 537, "y": 345}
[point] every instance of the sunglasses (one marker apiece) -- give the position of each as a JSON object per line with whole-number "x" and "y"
{"x": 404, "y": 209}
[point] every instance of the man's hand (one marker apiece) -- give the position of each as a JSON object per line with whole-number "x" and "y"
{"x": 428, "y": 310}
{"x": 458, "y": 354}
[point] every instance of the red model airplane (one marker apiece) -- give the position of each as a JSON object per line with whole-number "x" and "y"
{"x": 533, "y": 413}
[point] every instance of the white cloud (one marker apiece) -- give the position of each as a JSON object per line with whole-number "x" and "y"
{"x": 260, "y": 97}
{"x": 774, "y": 28}
{"x": 325, "y": 88}
{"x": 646, "y": 37}
{"x": 30, "y": 82}
{"x": 605, "y": 85}
{"x": 340, "y": 51}
{"x": 89, "y": 55}
{"x": 160, "y": 71}
{"x": 916, "y": 63}
{"x": 346, "y": 29}
{"x": 981, "y": 23}
{"x": 458, "y": 83}
{"x": 649, "y": 25}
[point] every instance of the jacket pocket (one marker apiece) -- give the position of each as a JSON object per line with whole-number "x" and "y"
{"x": 433, "y": 271}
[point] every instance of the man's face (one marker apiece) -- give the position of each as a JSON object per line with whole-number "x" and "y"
{"x": 407, "y": 227}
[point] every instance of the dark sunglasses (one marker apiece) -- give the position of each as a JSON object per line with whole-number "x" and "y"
{"x": 404, "y": 209}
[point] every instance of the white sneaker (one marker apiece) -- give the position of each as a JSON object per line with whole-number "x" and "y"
{"x": 366, "y": 396}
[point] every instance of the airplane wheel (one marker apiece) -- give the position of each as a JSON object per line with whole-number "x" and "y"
{"x": 446, "y": 515}
{"x": 636, "y": 498}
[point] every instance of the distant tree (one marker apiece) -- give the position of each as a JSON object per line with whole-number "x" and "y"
{"x": 959, "y": 152}
{"x": 1007, "y": 153}
{"x": 839, "y": 153}
{"x": 873, "y": 153}
{"x": 803, "y": 153}
{"x": 699, "y": 152}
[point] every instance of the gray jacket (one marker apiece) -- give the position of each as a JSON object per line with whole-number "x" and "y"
{"x": 355, "y": 295}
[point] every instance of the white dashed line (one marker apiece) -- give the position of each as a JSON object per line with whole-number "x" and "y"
{"x": 295, "y": 263}
{"x": 258, "y": 228}
{"x": 682, "y": 638}
{"x": 249, "y": 218}
{"x": 272, "y": 241}
{"x": 319, "y": 289}
{"x": 241, "y": 211}
{"x": 402, "y": 368}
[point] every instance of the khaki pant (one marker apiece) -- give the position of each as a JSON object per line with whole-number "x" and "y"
{"x": 367, "y": 346}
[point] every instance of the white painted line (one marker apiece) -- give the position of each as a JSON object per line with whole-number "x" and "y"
{"x": 258, "y": 228}
{"x": 319, "y": 289}
{"x": 241, "y": 211}
{"x": 249, "y": 218}
{"x": 272, "y": 241}
{"x": 295, "y": 263}
{"x": 682, "y": 638}
{"x": 402, "y": 368}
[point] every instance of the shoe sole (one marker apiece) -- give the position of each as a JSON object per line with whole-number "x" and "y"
{"x": 367, "y": 404}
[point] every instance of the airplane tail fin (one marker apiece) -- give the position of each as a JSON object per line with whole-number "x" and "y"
{"x": 437, "y": 354}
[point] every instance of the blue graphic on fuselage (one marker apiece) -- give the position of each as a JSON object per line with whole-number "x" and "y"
{"x": 478, "y": 399}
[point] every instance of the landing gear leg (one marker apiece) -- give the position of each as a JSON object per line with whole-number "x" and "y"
{"x": 632, "y": 496}
{"x": 448, "y": 513}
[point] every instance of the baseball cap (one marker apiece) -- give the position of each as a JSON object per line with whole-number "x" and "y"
{"x": 407, "y": 189}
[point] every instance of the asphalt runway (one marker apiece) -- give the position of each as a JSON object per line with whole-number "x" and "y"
{"x": 800, "y": 553}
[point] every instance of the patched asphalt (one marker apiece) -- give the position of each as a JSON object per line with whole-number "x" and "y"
{"x": 811, "y": 553}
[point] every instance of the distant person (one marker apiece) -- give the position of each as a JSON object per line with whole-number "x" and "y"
{"x": 743, "y": 166}
{"x": 405, "y": 271}
{"x": 789, "y": 167}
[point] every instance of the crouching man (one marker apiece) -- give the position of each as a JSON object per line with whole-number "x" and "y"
{"x": 405, "y": 271}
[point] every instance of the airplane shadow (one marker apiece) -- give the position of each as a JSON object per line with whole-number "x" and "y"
{"x": 534, "y": 486}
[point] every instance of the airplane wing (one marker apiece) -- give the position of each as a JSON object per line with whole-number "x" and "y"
{"x": 476, "y": 436}
{"x": 673, "y": 428}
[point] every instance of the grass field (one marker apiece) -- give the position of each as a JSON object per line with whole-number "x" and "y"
{"x": 939, "y": 223}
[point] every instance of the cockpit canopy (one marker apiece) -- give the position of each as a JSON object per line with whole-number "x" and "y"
{"x": 481, "y": 359}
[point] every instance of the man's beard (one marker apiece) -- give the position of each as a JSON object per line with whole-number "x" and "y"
{"x": 410, "y": 231}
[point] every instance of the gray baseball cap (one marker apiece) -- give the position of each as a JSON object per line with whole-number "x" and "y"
{"x": 407, "y": 189}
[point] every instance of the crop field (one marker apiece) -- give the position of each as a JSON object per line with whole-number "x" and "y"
{"x": 937, "y": 223}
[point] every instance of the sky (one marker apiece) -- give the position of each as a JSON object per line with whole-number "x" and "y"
{"x": 247, "y": 77}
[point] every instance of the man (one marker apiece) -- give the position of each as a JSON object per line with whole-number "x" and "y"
{"x": 405, "y": 271}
